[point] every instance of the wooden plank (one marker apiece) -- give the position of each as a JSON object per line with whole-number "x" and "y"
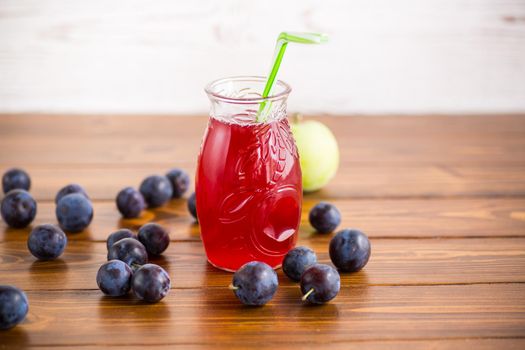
{"x": 210, "y": 316}
{"x": 117, "y": 140}
{"x": 378, "y": 218}
{"x": 441, "y": 344}
{"x": 381, "y": 157}
{"x": 393, "y": 262}
{"x": 352, "y": 180}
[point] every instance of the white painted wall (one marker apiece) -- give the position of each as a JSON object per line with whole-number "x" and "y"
{"x": 155, "y": 56}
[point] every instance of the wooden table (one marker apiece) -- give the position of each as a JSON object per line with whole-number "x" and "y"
{"x": 442, "y": 199}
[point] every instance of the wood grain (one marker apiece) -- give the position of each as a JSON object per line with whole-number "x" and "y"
{"x": 378, "y": 218}
{"x": 442, "y": 199}
{"x": 394, "y": 262}
{"x": 409, "y": 157}
{"x": 409, "y": 344}
{"x": 212, "y": 315}
{"x": 159, "y": 140}
{"x": 358, "y": 181}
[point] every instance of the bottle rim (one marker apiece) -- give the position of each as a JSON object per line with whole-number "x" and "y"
{"x": 254, "y": 98}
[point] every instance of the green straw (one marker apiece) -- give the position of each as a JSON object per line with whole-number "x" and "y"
{"x": 282, "y": 42}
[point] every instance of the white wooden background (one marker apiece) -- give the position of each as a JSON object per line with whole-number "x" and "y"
{"x": 155, "y": 56}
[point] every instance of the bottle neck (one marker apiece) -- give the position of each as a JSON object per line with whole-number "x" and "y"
{"x": 246, "y": 113}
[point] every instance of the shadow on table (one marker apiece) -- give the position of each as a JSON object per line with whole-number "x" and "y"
{"x": 49, "y": 267}
{"x": 129, "y": 308}
{"x": 9, "y": 234}
{"x": 174, "y": 216}
{"x": 15, "y": 338}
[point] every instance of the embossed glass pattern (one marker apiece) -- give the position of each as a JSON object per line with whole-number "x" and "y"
{"x": 248, "y": 181}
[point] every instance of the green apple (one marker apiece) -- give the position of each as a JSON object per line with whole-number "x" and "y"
{"x": 318, "y": 152}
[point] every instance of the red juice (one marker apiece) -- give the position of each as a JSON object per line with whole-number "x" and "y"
{"x": 248, "y": 192}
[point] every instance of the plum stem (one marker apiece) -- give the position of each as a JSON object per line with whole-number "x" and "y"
{"x": 136, "y": 266}
{"x": 232, "y": 287}
{"x": 307, "y": 294}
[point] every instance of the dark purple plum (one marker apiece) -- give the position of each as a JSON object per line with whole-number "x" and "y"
{"x": 114, "y": 278}
{"x": 324, "y": 217}
{"x": 74, "y": 212}
{"x": 296, "y": 261}
{"x": 255, "y": 283}
{"x": 350, "y": 250}
{"x": 154, "y": 237}
{"x": 46, "y": 242}
{"x": 13, "y": 306}
{"x": 69, "y": 189}
{"x": 180, "y": 181}
{"x": 128, "y": 250}
{"x": 150, "y": 283}
{"x": 18, "y": 208}
{"x": 320, "y": 283}
{"x": 118, "y": 235}
{"x": 130, "y": 203}
{"x": 156, "y": 190}
{"x": 192, "y": 206}
{"x": 15, "y": 179}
